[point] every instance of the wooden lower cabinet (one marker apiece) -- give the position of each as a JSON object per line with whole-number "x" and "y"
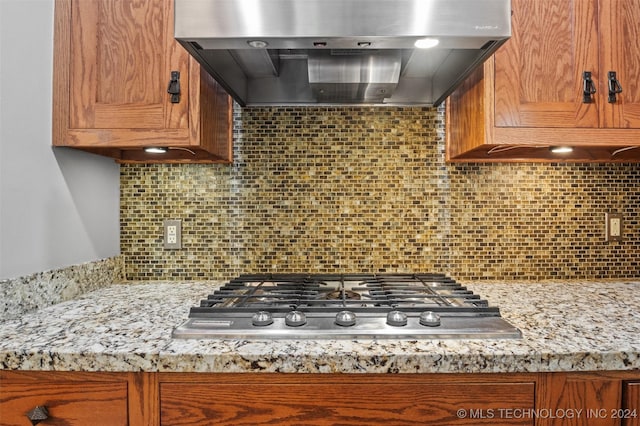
{"x": 152, "y": 399}
{"x": 579, "y": 399}
{"x": 631, "y": 404}
{"x": 68, "y": 402}
{"x": 345, "y": 400}
{"x": 77, "y": 399}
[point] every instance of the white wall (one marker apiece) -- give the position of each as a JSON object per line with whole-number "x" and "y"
{"x": 58, "y": 207}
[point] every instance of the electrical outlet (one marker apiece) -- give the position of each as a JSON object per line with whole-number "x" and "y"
{"x": 613, "y": 227}
{"x": 173, "y": 234}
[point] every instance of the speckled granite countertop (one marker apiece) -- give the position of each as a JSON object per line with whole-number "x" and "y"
{"x": 578, "y": 326}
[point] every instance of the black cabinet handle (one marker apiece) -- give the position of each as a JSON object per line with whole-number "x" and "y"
{"x": 588, "y": 89}
{"x": 38, "y": 414}
{"x": 174, "y": 87}
{"x": 614, "y": 87}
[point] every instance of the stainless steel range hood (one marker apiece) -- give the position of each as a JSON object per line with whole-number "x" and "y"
{"x": 302, "y": 52}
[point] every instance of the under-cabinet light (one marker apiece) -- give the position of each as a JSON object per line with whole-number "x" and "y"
{"x": 164, "y": 149}
{"x": 561, "y": 149}
{"x": 156, "y": 150}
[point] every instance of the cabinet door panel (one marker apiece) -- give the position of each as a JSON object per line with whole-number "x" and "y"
{"x": 538, "y": 72}
{"x": 68, "y": 403}
{"x": 631, "y": 405}
{"x": 620, "y": 35}
{"x": 120, "y": 73}
{"x": 567, "y": 391}
{"x": 343, "y": 403}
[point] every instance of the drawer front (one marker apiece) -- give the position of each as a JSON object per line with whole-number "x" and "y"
{"x": 68, "y": 403}
{"x": 344, "y": 403}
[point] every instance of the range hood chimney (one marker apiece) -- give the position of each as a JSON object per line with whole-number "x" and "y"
{"x": 335, "y": 52}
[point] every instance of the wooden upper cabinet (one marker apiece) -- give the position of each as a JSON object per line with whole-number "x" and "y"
{"x": 620, "y": 28}
{"x": 113, "y": 61}
{"x": 530, "y": 95}
{"x": 538, "y": 74}
{"x": 120, "y": 83}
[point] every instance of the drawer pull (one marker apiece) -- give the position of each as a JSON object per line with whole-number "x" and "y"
{"x": 38, "y": 414}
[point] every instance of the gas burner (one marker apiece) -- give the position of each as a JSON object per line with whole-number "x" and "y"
{"x": 344, "y": 306}
{"x": 343, "y": 294}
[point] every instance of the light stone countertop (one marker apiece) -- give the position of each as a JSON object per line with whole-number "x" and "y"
{"x": 566, "y": 326}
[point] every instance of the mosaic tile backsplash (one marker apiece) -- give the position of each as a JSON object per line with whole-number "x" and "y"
{"x": 364, "y": 189}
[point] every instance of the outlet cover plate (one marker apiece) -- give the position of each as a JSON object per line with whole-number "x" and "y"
{"x": 613, "y": 227}
{"x": 172, "y": 234}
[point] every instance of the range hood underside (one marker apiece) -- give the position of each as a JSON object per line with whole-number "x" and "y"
{"x": 281, "y": 77}
{"x": 297, "y": 52}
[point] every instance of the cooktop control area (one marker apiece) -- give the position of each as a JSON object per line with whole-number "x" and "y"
{"x": 344, "y": 306}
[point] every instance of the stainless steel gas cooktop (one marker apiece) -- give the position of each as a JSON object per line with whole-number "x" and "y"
{"x": 345, "y": 306}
